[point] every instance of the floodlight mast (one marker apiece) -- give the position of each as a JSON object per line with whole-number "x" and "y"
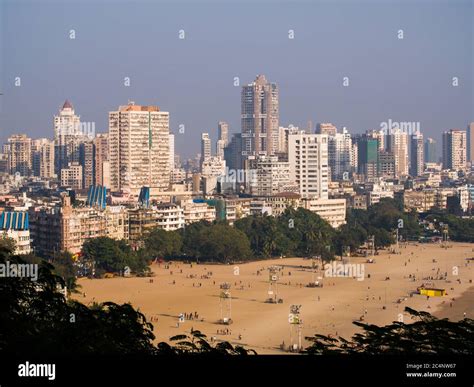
{"x": 295, "y": 328}
{"x": 272, "y": 285}
{"x": 225, "y": 304}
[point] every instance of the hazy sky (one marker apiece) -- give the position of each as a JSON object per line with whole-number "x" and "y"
{"x": 389, "y": 78}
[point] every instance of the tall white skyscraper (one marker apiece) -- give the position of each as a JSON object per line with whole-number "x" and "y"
{"x": 42, "y": 157}
{"x": 19, "y": 154}
{"x": 139, "y": 148}
{"x": 220, "y": 146}
{"x": 398, "y": 145}
{"x": 354, "y": 156}
{"x": 455, "y": 150}
{"x": 68, "y": 134}
{"x": 171, "y": 154}
{"x": 223, "y": 132}
{"x": 222, "y": 138}
{"x": 340, "y": 154}
{"x": 259, "y": 117}
{"x": 206, "y": 151}
{"x": 308, "y": 163}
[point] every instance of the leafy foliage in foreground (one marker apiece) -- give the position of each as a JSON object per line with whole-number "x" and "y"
{"x": 428, "y": 335}
{"x": 196, "y": 343}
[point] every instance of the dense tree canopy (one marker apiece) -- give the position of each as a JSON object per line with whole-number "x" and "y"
{"x": 217, "y": 242}
{"x": 460, "y": 229}
{"x": 110, "y": 255}
{"x": 265, "y": 234}
{"x": 380, "y": 220}
{"x": 160, "y": 243}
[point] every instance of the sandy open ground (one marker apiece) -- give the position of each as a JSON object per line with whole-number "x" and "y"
{"x": 327, "y": 310}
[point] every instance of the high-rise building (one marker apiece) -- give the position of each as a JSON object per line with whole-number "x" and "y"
{"x": 386, "y": 164}
{"x": 206, "y": 150}
{"x": 430, "y": 151}
{"x": 398, "y": 144}
{"x": 339, "y": 151}
{"x": 259, "y": 117}
{"x": 233, "y": 153}
{"x": 36, "y": 155}
{"x": 223, "y": 132}
{"x": 454, "y": 150}
{"x": 220, "y": 146}
{"x": 19, "y": 154}
{"x": 139, "y": 148}
{"x": 470, "y": 142}
{"x": 417, "y": 159}
{"x": 101, "y": 163}
{"x": 68, "y": 134}
{"x": 354, "y": 155}
{"x": 4, "y": 163}
{"x": 86, "y": 160}
{"x": 326, "y": 128}
{"x": 367, "y": 157}
{"x": 308, "y": 162}
{"x": 42, "y": 158}
{"x": 378, "y": 135}
{"x": 171, "y": 154}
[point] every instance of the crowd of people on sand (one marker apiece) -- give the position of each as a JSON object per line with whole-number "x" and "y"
{"x": 226, "y": 331}
{"x": 191, "y": 316}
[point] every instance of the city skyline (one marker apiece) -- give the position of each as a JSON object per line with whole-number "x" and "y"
{"x": 236, "y": 177}
{"x": 387, "y": 79}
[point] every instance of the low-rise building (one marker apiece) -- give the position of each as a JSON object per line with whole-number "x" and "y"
{"x": 331, "y": 210}
{"x": 420, "y": 201}
{"x": 170, "y": 216}
{"x": 15, "y": 225}
{"x": 197, "y": 210}
{"x": 236, "y": 208}
{"x": 66, "y": 228}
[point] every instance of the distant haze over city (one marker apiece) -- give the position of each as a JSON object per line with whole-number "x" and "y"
{"x": 193, "y": 78}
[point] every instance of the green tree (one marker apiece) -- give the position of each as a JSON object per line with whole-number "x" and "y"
{"x": 110, "y": 255}
{"x": 265, "y": 236}
{"x": 225, "y": 244}
{"x": 307, "y": 232}
{"x": 161, "y": 243}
